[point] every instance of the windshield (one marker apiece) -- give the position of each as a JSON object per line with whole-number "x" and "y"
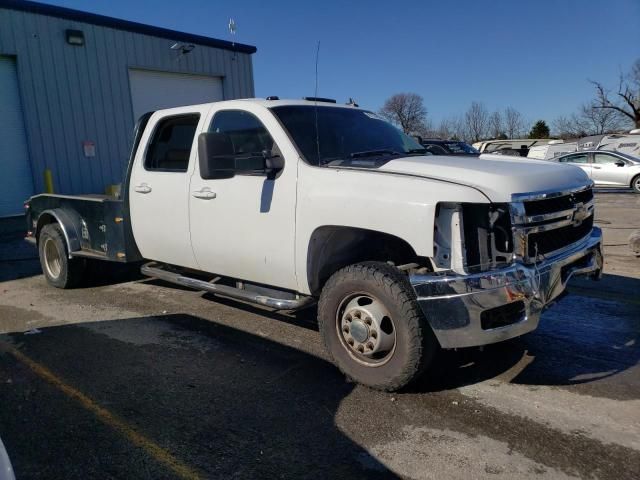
{"x": 343, "y": 135}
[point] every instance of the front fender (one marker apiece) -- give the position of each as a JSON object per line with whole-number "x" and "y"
{"x": 398, "y": 205}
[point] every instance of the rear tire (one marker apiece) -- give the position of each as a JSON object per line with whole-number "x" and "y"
{"x": 373, "y": 327}
{"x": 59, "y": 270}
{"x": 635, "y": 184}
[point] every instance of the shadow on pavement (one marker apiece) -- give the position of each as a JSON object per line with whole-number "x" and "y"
{"x": 224, "y": 402}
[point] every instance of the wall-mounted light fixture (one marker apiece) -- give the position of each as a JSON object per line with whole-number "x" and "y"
{"x": 75, "y": 37}
{"x": 183, "y": 48}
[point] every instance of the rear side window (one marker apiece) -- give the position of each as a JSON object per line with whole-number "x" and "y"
{"x": 170, "y": 147}
{"x": 581, "y": 158}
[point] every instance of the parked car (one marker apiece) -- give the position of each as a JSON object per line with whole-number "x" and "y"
{"x": 285, "y": 203}
{"x": 607, "y": 168}
{"x": 448, "y": 147}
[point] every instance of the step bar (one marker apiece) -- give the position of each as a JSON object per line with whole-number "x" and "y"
{"x": 155, "y": 270}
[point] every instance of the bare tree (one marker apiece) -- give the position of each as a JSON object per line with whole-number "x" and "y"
{"x": 626, "y": 101}
{"x": 599, "y": 120}
{"x": 568, "y": 127}
{"x": 406, "y": 110}
{"x": 513, "y": 122}
{"x": 589, "y": 120}
{"x": 449, "y": 128}
{"x": 496, "y": 128}
{"x": 476, "y": 121}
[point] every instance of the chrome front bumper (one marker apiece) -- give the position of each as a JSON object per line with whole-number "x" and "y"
{"x": 453, "y": 303}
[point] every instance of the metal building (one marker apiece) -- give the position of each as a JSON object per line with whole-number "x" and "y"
{"x": 72, "y": 84}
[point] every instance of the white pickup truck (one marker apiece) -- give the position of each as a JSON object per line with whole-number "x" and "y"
{"x": 288, "y": 203}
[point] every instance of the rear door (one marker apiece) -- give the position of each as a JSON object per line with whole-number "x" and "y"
{"x": 579, "y": 160}
{"x": 159, "y": 186}
{"x": 608, "y": 169}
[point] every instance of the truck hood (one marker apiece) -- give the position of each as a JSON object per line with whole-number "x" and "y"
{"x": 497, "y": 176}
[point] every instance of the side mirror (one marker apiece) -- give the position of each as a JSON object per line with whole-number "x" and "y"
{"x": 273, "y": 163}
{"x": 620, "y": 163}
{"x": 216, "y": 156}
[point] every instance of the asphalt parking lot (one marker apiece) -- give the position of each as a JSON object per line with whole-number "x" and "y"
{"x": 133, "y": 378}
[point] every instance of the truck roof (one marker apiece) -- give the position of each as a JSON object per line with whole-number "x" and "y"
{"x": 265, "y": 103}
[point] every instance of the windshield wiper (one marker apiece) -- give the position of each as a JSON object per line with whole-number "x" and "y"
{"x": 418, "y": 151}
{"x": 373, "y": 153}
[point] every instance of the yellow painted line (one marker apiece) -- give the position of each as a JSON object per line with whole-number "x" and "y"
{"x": 154, "y": 450}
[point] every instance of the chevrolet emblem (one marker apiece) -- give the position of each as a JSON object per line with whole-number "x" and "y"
{"x": 580, "y": 214}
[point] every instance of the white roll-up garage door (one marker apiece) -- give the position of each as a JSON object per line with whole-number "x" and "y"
{"x": 152, "y": 90}
{"x": 16, "y": 182}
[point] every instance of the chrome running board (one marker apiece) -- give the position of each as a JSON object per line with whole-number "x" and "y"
{"x": 155, "y": 270}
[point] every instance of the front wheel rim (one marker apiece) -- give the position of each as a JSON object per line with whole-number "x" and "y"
{"x": 366, "y": 329}
{"x": 636, "y": 184}
{"x": 52, "y": 258}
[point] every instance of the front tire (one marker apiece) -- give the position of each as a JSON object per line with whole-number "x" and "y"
{"x": 373, "y": 327}
{"x": 635, "y": 184}
{"x": 59, "y": 270}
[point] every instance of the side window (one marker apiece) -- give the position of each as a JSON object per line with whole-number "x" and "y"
{"x": 581, "y": 158}
{"x": 248, "y": 136}
{"x": 603, "y": 159}
{"x": 170, "y": 146}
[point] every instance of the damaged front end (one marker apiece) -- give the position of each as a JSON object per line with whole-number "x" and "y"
{"x": 490, "y": 283}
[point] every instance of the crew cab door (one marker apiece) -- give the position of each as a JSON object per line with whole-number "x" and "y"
{"x": 159, "y": 186}
{"x": 244, "y": 227}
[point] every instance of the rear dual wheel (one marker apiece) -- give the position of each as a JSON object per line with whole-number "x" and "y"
{"x": 59, "y": 270}
{"x": 373, "y": 327}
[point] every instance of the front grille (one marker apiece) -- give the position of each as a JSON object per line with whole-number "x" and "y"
{"x": 544, "y": 226}
{"x": 502, "y": 316}
{"x": 552, "y": 240}
{"x": 557, "y": 204}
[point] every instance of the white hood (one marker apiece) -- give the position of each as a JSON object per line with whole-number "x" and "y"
{"x": 497, "y": 176}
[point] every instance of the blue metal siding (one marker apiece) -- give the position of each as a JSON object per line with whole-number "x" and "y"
{"x": 71, "y": 94}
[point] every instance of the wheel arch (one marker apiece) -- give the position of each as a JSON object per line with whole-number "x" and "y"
{"x": 332, "y": 247}
{"x": 66, "y": 223}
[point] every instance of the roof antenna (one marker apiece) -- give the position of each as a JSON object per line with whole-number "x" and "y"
{"x": 232, "y": 31}
{"x": 315, "y": 103}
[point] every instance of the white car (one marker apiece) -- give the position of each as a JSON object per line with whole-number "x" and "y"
{"x": 607, "y": 168}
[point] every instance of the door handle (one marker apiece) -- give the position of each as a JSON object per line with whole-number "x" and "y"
{"x": 142, "y": 188}
{"x": 205, "y": 194}
{"x": 597, "y": 168}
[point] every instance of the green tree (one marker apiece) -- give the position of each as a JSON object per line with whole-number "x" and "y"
{"x": 540, "y": 129}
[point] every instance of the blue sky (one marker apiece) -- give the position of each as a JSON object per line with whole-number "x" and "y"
{"x": 536, "y": 56}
